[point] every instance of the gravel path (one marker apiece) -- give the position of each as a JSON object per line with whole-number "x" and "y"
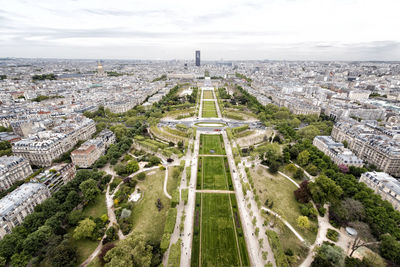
{"x": 286, "y": 223}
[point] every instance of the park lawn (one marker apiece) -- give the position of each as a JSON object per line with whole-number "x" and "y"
{"x": 288, "y": 240}
{"x": 97, "y": 208}
{"x": 85, "y": 247}
{"x": 209, "y": 109}
{"x": 196, "y": 232}
{"x": 213, "y": 173}
{"x": 219, "y": 245}
{"x": 145, "y": 216}
{"x": 212, "y": 142}
{"x": 173, "y": 182}
{"x": 207, "y": 94}
{"x": 278, "y": 189}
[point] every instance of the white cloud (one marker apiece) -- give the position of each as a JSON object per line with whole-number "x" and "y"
{"x": 275, "y": 29}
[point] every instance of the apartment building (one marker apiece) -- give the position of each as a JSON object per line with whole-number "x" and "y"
{"x": 384, "y": 185}
{"x": 13, "y": 169}
{"x": 44, "y": 147}
{"x": 19, "y": 203}
{"x": 336, "y": 151}
{"x": 92, "y": 149}
{"x": 57, "y": 176}
{"x": 372, "y": 143}
{"x": 88, "y": 153}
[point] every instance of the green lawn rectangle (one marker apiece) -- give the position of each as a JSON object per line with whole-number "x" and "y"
{"x": 219, "y": 246}
{"x": 211, "y": 142}
{"x": 214, "y": 174}
{"x": 209, "y": 109}
{"x": 207, "y": 94}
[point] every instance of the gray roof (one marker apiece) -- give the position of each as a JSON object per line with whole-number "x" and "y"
{"x": 20, "y": 195}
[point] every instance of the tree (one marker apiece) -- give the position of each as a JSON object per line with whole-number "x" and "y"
{"x": 303, "y": 158}
{"x": 20, "y": 259}
{"x": 291, "y": 168}
{"x": 312, "y": 169}
{"x": 355, "y": 209}
{"x": 107, "y": 247}
{"x": 63, "y": 255}
{"x": 363, "y": 238}
{"x": 343, "y": 168}
{"x": 309, "y": 132}
{"x": 74, "y": 217}
{"x": 274, "y": 167}
{"x": 89, "y": 189}
{"x": 324, "y": 189}
{"x": 390, "y": 248}
{"x": 10, "y": 244}
{"x": 302, "y": 194}
{"x": 132, "y": 251}
{"x": 84, "y": 229}
{"x": 329, "y": 256}
{"x": 37, "y": 239}
{"x": 299, "y": 174}
{"x": 3, "y": 261}
{"x": 132, "y": 166}
{"x": 303, "y": 222}
{"x": 141, "y": 176}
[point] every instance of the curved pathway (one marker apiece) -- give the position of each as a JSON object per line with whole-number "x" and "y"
{"x": 286, "y": 223}
{"x": 165, "y": 183}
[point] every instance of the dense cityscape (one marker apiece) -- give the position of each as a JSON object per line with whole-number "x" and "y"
{"x": 199, "y": 163}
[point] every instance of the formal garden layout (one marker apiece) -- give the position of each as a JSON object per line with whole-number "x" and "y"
{"x": 211, "y": 144}
{"x": 145, "y": 202}
{"x": 218, "y": 237}
{"x": 208, "y": 94}
{"x": 209, "y": 109}
{"x": 213, "y": 174}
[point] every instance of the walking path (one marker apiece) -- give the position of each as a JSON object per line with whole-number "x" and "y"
{"x": 286, "y": 223}
{"x": 165, "y": 183}
{"x": 176, "y": 234}
{"x": 215, "y": 191}
{"x": 111, "y": 217}
{"x": 252, "y": 241}
{"x": 284, "y": 175}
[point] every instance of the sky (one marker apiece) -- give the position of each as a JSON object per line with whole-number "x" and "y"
{"x": 221, "y": 29}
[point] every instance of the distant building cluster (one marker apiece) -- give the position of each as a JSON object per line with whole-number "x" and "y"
{"x": 42, "y": 148}
{"x": 373, "y": 143}
{"x": 337, "y": 152}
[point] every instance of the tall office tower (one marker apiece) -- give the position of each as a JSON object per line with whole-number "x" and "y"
{"x": 198, "y": 58}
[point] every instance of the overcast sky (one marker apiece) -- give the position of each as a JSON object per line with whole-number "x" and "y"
{"x": 221, "y": 29}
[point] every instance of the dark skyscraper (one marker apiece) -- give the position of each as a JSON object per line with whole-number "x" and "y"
{"x": 198, "y": 58}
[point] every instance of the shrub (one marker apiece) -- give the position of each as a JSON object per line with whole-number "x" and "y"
{"x": 332, "y": 235}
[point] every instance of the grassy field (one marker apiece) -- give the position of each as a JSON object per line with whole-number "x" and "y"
{"x": 172, "y": 181}
{"x": 288, "y": 240}
{"x": 145, "y": 217}
{"x": 207, "y": 94}
{"x": 97, "y": 208}
{"x": 219, "y": 244}
{"x": 209, "y": 109}
{"x": 214, "y": 174}
{"x": 211, "y": 142}
{"x": 278, "y": 189}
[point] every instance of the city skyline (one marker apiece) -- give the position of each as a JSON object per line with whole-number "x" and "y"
{"x": 243, "y": 30}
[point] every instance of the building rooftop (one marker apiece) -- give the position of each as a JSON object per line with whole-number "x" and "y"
{"x": 20, "y": 195}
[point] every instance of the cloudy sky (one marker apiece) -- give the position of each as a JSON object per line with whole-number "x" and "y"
{"x": 221, "y": 29}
